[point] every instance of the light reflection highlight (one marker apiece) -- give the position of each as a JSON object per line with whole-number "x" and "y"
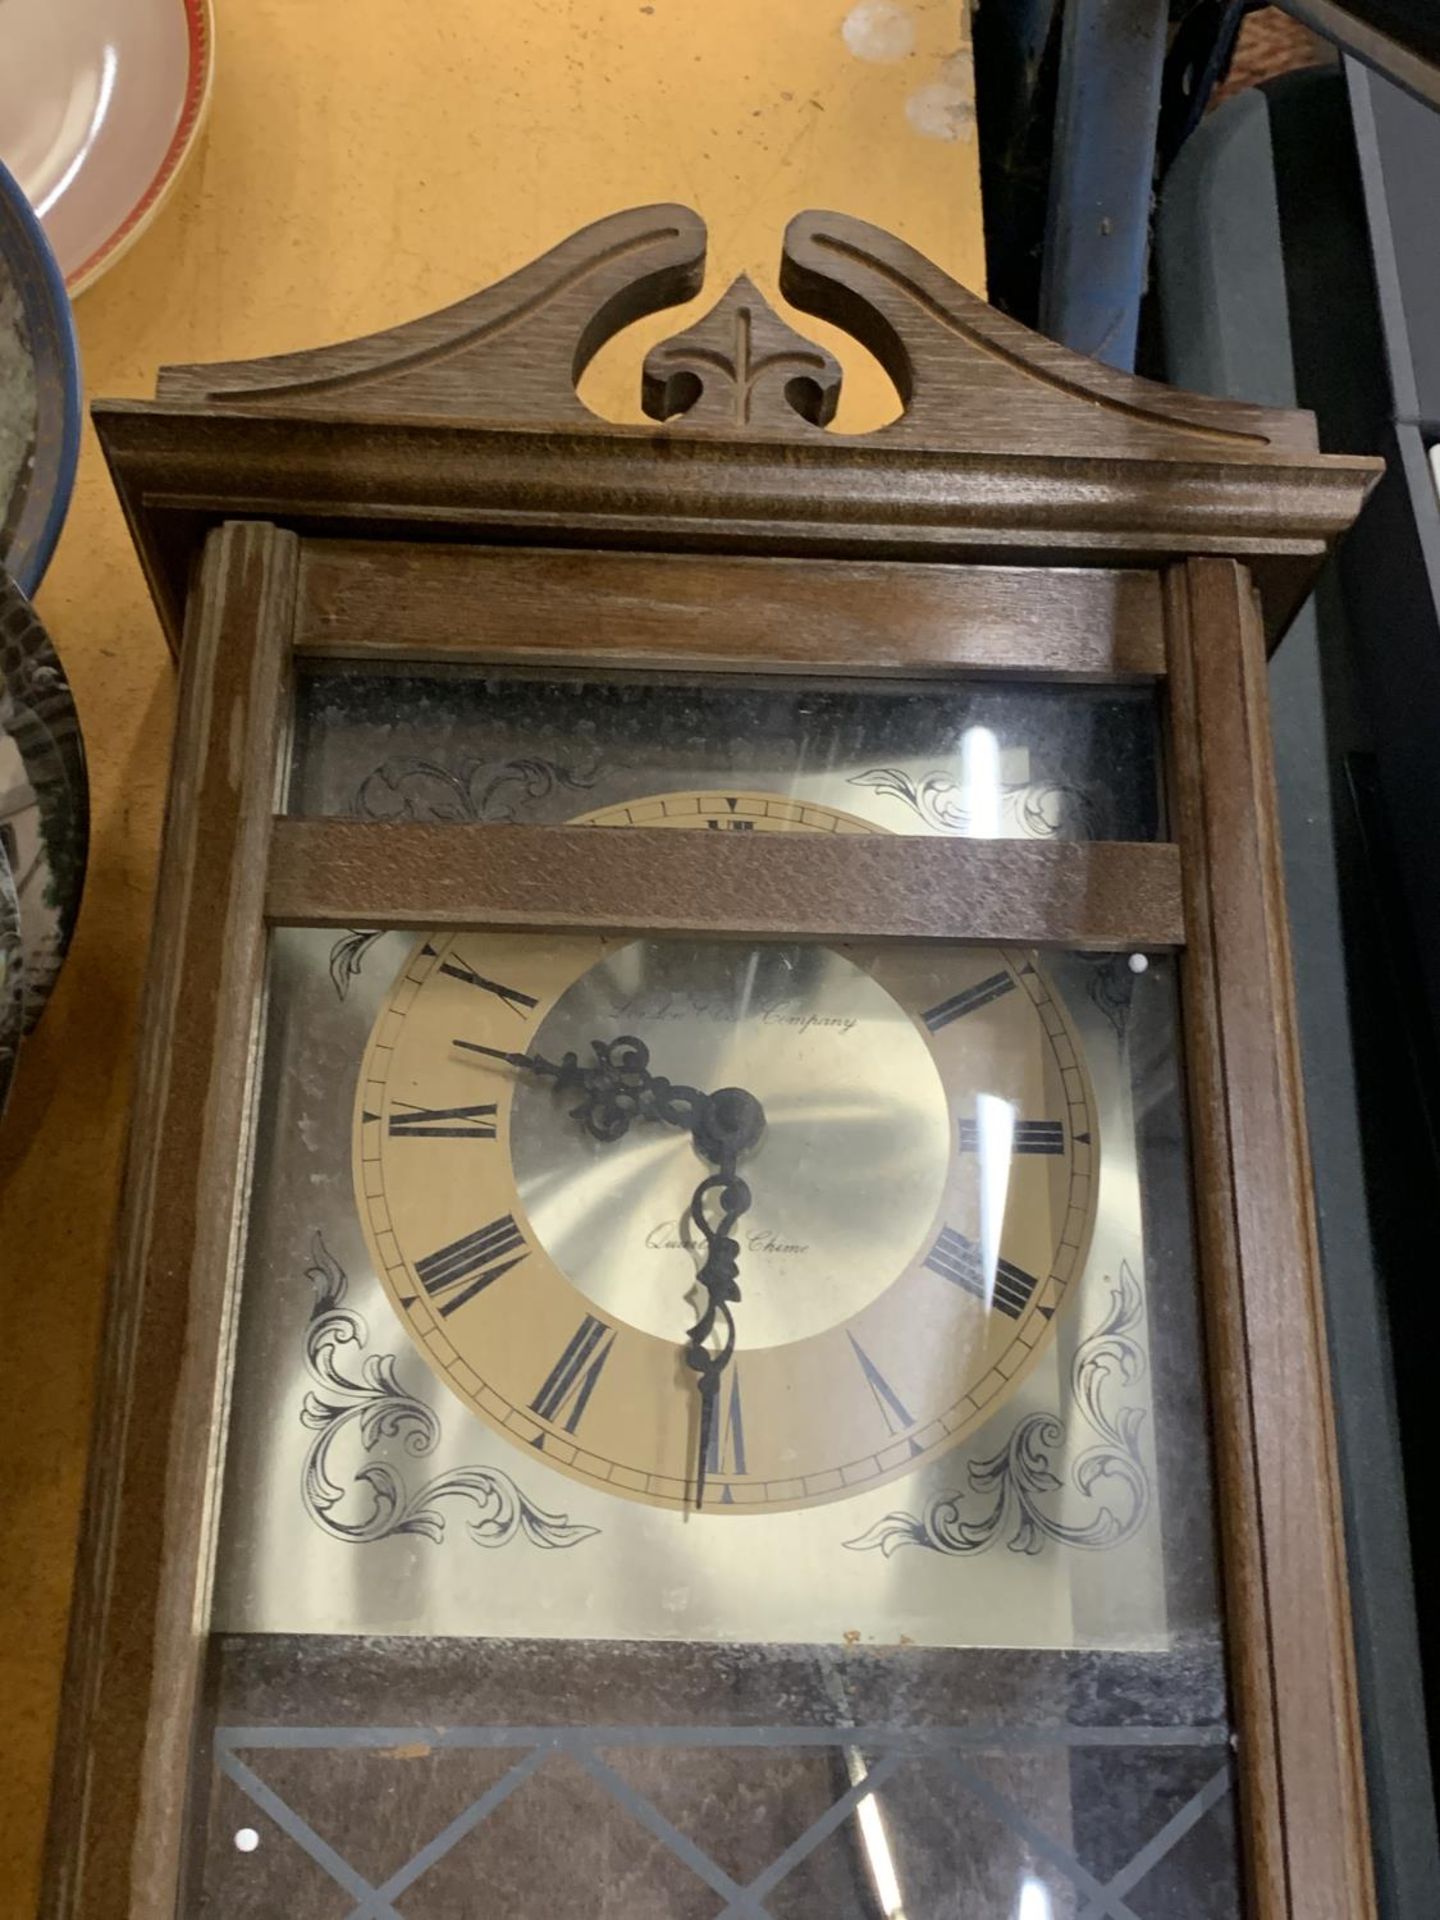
{"x": 994, "y": 1146}
{"x": 879, "y": 1858}
{"x": 875, "y": 1843}
{"x": 1034, "y": 1901}
{"x": 109, "y": 67}
{"x": 980, "y": 783}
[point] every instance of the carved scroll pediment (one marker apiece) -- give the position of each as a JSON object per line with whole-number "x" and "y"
{"x": 969, "y": 378}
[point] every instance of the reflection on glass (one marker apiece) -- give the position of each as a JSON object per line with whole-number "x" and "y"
{"x": 995, "y": 1140}
{"x": 986, "y": 761}
{"x": 1034, "y": 1902}
{"x": 875, "y": 1842}
{"x": 980, "y": 783}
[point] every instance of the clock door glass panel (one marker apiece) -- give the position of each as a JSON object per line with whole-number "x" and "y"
{"x": 983, "y": 759}
{"x": 533, "y": 1594}
{"x": 942, "y": 1633}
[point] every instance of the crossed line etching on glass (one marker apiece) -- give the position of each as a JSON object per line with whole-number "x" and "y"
{"x": 890, "y": 1746}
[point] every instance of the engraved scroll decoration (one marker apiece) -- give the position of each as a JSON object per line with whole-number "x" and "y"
{"x": 356, "y": 1397}
{"x": 476, "y": 790}
{"x": 1043, "y": 810}
{"x": 1007, "y": 1492}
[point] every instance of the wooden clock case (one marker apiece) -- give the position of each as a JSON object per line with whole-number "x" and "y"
{"x": 440, "y": 493}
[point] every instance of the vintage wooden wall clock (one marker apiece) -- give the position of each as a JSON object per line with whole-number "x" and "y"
{"x": 717, "y": 1308}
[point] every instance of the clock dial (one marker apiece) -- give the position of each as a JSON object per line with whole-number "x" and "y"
{"x": 735, "y": 811}
{"x": 922, "y": 1193}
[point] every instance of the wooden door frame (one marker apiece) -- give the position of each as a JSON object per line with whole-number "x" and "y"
{"x": 138, "y": 1641}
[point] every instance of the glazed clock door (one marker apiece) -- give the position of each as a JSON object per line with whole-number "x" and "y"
{"x": 717, "y": 1425}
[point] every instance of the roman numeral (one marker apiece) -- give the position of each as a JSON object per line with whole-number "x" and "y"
{"x": 1031, "y": 1136}
{"x": 517, "y": 1001}
{"x": 726, "y": 1451}
{"x": 893, "y": 1410}
{"x": 957, "y": 1259}
{"x": 571, "y": 1381}
{"x": 442, "y": 1123}
{"x": 973, "y": 998}
{"x": 453, "y": 1275}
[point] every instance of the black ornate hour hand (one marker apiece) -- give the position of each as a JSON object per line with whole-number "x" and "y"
{"x": 620, "y": 1089}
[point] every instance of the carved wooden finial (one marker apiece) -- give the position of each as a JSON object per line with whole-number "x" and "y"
{"x": 741, "y": 366}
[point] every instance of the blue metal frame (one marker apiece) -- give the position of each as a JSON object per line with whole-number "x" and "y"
{"x": 1107, "y": 111}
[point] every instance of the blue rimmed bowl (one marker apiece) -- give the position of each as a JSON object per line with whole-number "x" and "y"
{"x": 39, "y": 393}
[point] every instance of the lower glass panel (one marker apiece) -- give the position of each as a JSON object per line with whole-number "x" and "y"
{"x": 437, "y": 1779}
{"x": 943, "y": 1636}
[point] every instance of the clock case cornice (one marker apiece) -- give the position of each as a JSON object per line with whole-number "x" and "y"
{"x": 467, "y": 426}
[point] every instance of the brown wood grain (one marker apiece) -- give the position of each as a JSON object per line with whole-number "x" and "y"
{"x": 141, "y": 1586}
{"x": 739, "y": 368}
{"x": 968, "y": 376}
{"x": 468, "y": 421}
{"x": 181, "y": 468}
{"x": 1290, "y": 1630}
{"x": 392, "y": 601}
{"x": 1095, "y": 895}
{"x": 512, "y": 351}
{"x": 962, "y": 367}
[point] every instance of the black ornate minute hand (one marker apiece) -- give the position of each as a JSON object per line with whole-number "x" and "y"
{"x": 619, "y": 1089}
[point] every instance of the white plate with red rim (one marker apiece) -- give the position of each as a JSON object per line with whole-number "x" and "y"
{"x": 100, "y": 104}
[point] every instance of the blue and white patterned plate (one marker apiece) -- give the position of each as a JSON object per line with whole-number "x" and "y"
{"x": 39, "y": 393}
{"x": 44, "y": 794}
